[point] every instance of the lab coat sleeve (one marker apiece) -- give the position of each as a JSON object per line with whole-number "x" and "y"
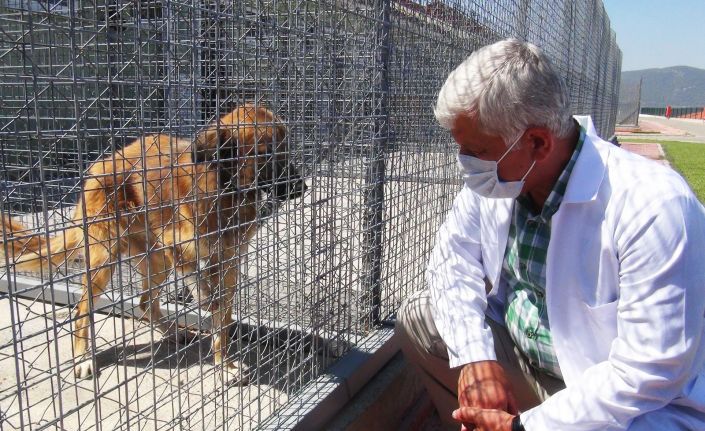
{"x": 455, "y": 277}
{"x": 659, "y": 323}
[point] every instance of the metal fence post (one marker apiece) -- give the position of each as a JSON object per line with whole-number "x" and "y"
{"x": 375, "y": 175}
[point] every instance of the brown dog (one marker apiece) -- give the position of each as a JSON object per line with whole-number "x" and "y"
{"x": 175, "y": 204}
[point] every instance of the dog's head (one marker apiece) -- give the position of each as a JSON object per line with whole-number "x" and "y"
{"x": 251, "y": 140}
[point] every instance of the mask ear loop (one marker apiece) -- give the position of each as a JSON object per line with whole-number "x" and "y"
{"x": 529, "y": 171}
{"x": 510, "y": 148}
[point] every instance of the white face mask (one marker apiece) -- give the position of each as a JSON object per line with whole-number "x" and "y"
{"x": 481, "y": 176}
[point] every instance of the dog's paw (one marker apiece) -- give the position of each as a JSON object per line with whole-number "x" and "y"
{"x": 83, "y": 370}
{"x": 233, "y": 375}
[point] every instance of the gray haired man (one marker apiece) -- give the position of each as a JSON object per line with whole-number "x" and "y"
{"x": 565, "y": 285}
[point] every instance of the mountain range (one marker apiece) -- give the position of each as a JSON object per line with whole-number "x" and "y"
{"x": 678, "y": 86}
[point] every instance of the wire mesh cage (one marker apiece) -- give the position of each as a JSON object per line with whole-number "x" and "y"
{"x": 207, "y": 203}
{"x": 629, "y": 104}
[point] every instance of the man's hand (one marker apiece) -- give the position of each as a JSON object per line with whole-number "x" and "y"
{"x": 484, "y": 419}
{"x": 484, "y": 385}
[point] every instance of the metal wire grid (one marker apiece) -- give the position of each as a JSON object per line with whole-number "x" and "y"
{"x": 629, "y": 106}
{"x": 353, "y": 81}
{"x": 428, "y": 40}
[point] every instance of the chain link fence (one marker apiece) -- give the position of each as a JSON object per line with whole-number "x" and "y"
{"x": 352, "y": 83}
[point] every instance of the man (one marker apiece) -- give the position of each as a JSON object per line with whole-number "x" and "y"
{"x": 565, "y": 289}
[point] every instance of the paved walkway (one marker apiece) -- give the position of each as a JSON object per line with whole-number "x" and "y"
{"x": 651, "y": 151}
{"x": 659, "y": 128}
{"x": 652, "y": 127}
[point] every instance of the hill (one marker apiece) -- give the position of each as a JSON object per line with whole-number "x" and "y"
{"x": 678, "y": 86}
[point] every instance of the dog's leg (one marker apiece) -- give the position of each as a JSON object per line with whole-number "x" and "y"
{"x": 223, "y": 320}
{"x": 100, "y": 269}
{"x": 155, "y": 264}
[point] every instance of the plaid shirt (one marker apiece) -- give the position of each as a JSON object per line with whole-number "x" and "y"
{"x": 524, "y": 269}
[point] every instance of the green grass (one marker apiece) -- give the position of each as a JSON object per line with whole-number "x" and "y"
{"x": 688, "y": 158}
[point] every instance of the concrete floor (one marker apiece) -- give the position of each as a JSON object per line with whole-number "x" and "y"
{"x": 138, "y": 377}
{"x": 660, "y": 128}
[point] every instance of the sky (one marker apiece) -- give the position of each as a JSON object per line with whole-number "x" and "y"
{"x": 659, "y": 33}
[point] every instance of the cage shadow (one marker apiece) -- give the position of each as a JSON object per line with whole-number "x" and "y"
{"x": 264, "y": 356}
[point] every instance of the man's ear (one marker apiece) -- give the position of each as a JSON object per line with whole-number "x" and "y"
{"x": 541, "y": 141}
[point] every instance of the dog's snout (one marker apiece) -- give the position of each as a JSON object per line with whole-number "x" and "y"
{"x": 299, "y": 189}
{"x": 290, "y": 188}
{"x": 289, "y": 184}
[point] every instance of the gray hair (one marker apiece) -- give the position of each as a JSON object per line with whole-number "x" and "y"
{"x": 510, "y": 86}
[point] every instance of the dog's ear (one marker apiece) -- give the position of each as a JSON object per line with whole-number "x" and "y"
{"x": 217, "y": 140}
{"x": 209, "y": 138}
{"x": 265, "y": 126}
{"x": 254, "y": 126}
{"x": 280, "y": 131}
{"x": 275, "y": 129}
{"x": 246, "y": 127}
{"x": 212, "y": 143}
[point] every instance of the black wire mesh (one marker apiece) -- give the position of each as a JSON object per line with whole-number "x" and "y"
{"x": 353, "y": 83}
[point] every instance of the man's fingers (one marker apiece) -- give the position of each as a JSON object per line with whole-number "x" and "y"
{"x": 484, "y": 419}
{"x": 466, "y": 414}
{"x": 484, "y": 384}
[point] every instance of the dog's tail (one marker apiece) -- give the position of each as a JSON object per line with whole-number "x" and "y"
{"x": 28, "y": 251}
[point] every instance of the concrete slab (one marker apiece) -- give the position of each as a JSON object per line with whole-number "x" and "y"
{"x": 383, "y": 403}
{"x": 661, "y": 128}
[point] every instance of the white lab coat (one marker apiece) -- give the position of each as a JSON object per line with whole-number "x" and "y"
{"x": 625, "y": 291}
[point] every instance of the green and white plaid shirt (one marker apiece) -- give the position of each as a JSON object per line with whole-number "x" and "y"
{"x": 524, "y": 269}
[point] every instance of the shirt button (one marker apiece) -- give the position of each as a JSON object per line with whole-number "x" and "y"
{"x": 530, "y": 333}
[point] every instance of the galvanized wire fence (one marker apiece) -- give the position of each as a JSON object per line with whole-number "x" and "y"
{"x": 690, "y": 112}
{"x": 629, "y": 105}
{"x": 313, "y": 272}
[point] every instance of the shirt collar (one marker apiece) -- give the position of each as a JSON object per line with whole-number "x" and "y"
{"x": 556, "y": 195}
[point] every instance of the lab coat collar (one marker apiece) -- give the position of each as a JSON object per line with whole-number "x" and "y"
{"x": 589, "y": 169}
